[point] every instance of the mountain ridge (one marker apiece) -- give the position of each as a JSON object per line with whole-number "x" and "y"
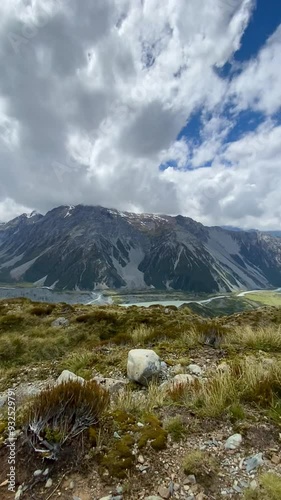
{"x": 92, "y": 247}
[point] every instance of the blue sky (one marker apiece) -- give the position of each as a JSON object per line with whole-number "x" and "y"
{"x": 142, "y": 105}
{"x": 265, "y": 19}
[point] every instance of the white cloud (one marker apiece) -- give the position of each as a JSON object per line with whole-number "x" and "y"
{"x": 258, "y": 86}
{"x": 92, "y": 102}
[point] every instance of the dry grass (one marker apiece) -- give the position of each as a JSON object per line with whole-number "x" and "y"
{"x": 270, "y": 488}
{"x": 141, "y": 334}
{"x": 259, "y": 338}
{"x": 200, "y": 464}
{"x": 249, "y": 381}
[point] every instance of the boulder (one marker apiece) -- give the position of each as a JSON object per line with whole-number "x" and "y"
{"x": 143, "y": 366}
{"x": 66, "y": 376}
{"x": 60, "y": 322}
{"x": 112, "y": 385}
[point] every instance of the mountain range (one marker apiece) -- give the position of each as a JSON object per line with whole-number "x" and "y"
{"x": 91, "y": 248}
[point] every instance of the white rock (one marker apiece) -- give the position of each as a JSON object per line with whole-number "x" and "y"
{"x": 233, "y": 442}
{"x": 195, "y": 370}
{"x": 66, "y": 376}
{"x": 37, "y": 473}
{"x": 49, "y": 483}
{"x": 19, "y": 493}
{"x": 143, "y": 365}
{"x": 60, "y": 322}
{"x": 177, "y": 370}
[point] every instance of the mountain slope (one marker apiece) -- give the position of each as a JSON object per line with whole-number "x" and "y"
{"x": 89, "y": 247}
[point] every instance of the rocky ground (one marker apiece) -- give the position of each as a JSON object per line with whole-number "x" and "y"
{"x": 197, "y": 448}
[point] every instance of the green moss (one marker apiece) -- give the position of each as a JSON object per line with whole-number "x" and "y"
{"x": 120, "y": 458}
{"x": 153, "y": 433}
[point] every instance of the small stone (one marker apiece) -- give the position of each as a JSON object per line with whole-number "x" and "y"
{"x": 60, "y": 322}
{"x": 49, "y": 483}
{"x": 176, "y": 370}
{"x": 109, "y": 497}
{"x": 19, "y": 493}
{"x": 139, "y": 424}
{"x": 254, "y": 462}
{"x": 37, "y": 473}
{"x": 153, "y": 497}
{"x": 195, "y": 370}
{"x": 191, "y": 479}
{"x": 275, "y": 459}
{"x": 116, "y": 435}
{"x": 233, "y": 442}
{"x": 164, "y": 492}
{"x": 46, "y": 472}
{"x": 71, "y": 485}
{"x": 253, "y": 484}
{"x": 66, "y": 376}
{"x": 237, "y": 488}
{"x": 141, "y": 459}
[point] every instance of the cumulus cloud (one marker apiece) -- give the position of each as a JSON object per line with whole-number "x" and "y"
{"x": 93, "y": 96}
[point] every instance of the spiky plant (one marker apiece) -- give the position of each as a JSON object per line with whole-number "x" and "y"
{"x": 59, "y": 414}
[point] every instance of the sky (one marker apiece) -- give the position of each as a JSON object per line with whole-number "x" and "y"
{"x": 142, "y": 105}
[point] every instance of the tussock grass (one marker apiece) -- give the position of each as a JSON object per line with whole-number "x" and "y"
{"x": 249, "y": 381}
{"x": 140, "y": 402}
{"x": 260, "y": 338}
{"x": 200, "y": 464}
{"x": 175, "y": 427}
{"x": 140, "y": 335}
{"x": 270, "y": 488}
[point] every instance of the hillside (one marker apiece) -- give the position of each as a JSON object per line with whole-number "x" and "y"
{"x": 206, "y": 427}
{"x": 91, "y": 248}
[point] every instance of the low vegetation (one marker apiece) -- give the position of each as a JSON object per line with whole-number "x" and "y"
{"x": 59, "y": 414}
{"x": 240, "y": 385}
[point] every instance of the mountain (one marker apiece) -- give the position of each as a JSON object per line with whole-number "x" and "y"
{"x": 88, "y": 247}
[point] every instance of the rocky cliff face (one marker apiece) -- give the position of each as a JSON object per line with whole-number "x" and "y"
{"x": 93, "y": 248}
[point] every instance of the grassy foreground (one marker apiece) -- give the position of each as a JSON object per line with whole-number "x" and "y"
{"x": 240, "y": 391}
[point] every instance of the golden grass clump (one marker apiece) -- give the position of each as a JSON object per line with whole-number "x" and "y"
{"x": 270, "y": 488}
{"x": 60, "y": 413}
{"x": 261, "y": 338}
{"x": 202, "y": 465}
